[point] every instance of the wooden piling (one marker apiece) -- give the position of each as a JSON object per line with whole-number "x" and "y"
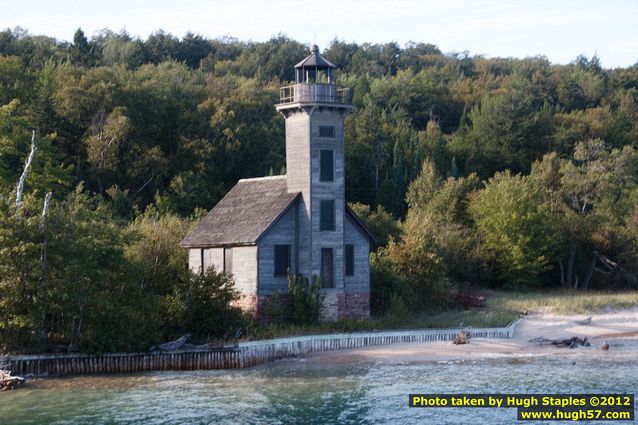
{"x": 245, "y": 354}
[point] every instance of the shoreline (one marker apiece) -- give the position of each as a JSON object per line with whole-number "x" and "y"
{"x": 241, "y": 355}
{"x": 618, "y": 328}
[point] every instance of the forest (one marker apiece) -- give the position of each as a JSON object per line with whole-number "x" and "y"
{"x": 472, "y": 172}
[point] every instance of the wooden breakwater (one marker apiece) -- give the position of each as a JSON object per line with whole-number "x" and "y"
{"x": 245, "y": 354}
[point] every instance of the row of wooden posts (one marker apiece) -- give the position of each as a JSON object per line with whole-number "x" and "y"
{"x": 245, "y": 354}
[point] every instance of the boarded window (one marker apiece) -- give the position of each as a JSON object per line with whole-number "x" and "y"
{"x": 326, "y": 131}
{"x": 349, "y": 260}
{"x": 326, "y": 169}
{"x": 327, "y": 268}
{"x": 327, "y": 215}
{"x": 228, "y": 260}
{"x": 282, "y": 260}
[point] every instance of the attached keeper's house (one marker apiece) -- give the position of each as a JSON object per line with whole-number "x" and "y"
{"x": 299, "y": 222}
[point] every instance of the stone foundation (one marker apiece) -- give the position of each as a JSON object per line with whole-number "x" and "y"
{"x": 248, "y": 303}
{"x": 264, "y": 316}
{"x": 336, "y": 305}
{"x": 333, "y": 305}
{"x": 346, "y": 306}
{"x": 356, "y": 306}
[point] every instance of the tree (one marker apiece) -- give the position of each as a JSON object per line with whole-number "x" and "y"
{"x": 160, "y": 47}
{"x": 108, "y": 133}
{"x": 506, "y": 132}
{"x": 515, "y": 223}
{"x": 592, "y": 198}
{"x": 192, "y": 49}
{"x": 381, "y": 223}
{"x": 81, "y": 52}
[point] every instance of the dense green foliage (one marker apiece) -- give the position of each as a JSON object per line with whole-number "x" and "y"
{"x": 489, "y": 172}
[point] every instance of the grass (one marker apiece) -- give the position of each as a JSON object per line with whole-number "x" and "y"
{"x": 502, "y": 308}
{"x": 484, "y": 318}
{"x": 563, "y": 302}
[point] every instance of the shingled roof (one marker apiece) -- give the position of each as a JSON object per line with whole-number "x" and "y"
{"x": 244, "y": 214}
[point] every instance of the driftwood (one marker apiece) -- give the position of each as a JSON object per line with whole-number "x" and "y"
{"x": 232, "y": 336}
{"x": 173, "y": 345}
{"x": 204, "y": 347}
{"x": 586, "y": 321}
{"x": 572, "y": 342}
{"x": 461, "y": 338}
{"x": 8, "y": 382}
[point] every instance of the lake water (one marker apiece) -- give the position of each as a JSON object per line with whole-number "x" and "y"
{"x": 307, "y": 391}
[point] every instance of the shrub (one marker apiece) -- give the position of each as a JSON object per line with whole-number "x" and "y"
{"x": 202, "y": 305}
{"x": 306, "y": 299}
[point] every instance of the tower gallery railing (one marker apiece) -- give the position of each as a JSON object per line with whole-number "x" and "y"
{"x": 318, "y": 92}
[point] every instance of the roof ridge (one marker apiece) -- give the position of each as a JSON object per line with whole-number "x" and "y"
{"x": 252, "y": 179}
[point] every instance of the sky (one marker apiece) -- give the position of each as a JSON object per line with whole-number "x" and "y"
{"x": 557, "y": 29}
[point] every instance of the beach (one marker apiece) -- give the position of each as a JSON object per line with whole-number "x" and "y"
{"x": 618, "y": 328}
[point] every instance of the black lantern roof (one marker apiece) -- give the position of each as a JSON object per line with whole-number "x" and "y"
{"x": 315, "y": 60}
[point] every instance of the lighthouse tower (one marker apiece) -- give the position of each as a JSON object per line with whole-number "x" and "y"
{"x": 314, "y": 110}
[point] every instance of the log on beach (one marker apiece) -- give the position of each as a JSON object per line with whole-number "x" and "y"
{"x": 572, "y": 342}
{"x": 8, "y": 382}
{"x": 173, "y": 345}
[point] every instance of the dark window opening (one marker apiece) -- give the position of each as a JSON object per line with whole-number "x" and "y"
{"x": 327, "y": 215}
{"x": 349, "y": 260}
{"x": 327, "y": 268}
{"x": 202, "y": 268}
{"x": 326, "y": 131}
{"x": 228, "y": 260}
{"x": 282, "y": 260}
{"x": 326, "y": 166}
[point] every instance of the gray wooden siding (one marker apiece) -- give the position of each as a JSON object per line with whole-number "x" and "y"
{"x": 360, "y": 281}
{"x": 298, "y": 179}
{"x": 245, "y": 269}
{"x": 334, "y": 190}
{"x": 282, "y": 233}
{"x": 214, "y": 257}
{"x": 195, "y": 260}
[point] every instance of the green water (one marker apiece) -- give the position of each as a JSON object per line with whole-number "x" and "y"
{"x": 314, "y": 392}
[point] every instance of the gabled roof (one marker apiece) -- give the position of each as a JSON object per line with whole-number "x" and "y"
{"x": 244, "y": 214}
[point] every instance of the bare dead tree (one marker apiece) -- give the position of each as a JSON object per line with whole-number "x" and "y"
{"x": 23, "y": 177}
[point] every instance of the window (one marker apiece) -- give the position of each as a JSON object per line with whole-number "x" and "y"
{"x": 282, "y": 260}
{"x": 327, "y": 268}
{"x": 202, "y": 267}
{"x": 327, "y": 215}
{"x": 228, "y": 260}
{"x": 326, "y": 131}
{"x": 349, "y": 260}
{"x": 326, "y": 166}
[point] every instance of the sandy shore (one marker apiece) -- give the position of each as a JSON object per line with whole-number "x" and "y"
{"x": 619, "y": 329}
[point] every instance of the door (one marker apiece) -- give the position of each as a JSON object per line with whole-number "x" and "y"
{"x": 327, "y": 268}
